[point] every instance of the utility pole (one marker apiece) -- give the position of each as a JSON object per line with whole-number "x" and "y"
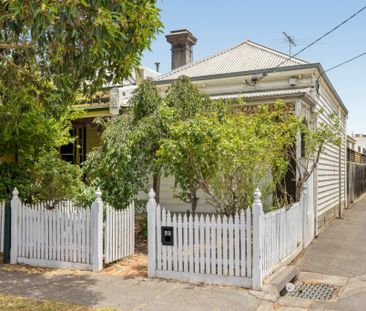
{"x": 290, "y": 40}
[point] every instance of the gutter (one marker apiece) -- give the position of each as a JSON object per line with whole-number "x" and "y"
{"x": 261, "y": 71}
{"x": 238, "y": 73}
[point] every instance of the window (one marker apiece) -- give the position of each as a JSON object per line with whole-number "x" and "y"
{"x": 75, "y": 152}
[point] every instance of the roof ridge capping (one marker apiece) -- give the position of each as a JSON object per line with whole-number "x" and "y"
{"x": 276, "y": 52}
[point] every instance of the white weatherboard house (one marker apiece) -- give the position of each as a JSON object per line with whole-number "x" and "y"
{"x": 262, "y": 75}
{"x": 360, "y": 143}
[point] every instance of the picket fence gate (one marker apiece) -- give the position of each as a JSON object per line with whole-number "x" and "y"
{"x": 68, "y": 236}
{"x": 119, "y": 233}
{"x": 239, "y": 250}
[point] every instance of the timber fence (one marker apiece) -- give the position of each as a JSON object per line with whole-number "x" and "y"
{"x": 356, "y": 181}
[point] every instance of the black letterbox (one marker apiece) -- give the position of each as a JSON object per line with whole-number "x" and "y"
{"x": 167, "y": 236}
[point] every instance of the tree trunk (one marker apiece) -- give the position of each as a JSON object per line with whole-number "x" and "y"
{"x": 156, "y": 186}
{"x": 194, "y": 200}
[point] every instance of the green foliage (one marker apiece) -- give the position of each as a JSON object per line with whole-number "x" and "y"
{"x": 52, "y": 52}
{"x": 145, "y": 101}
{"x": 183, "y": 118}
{"x": 32, "y": 119}
{"x": 189, "y": 153}
{"x": 77, "y": 43}
{"x": 47, "y": 178}
{"x": 186, "y": 99}
{"x": 121, "y": 166}
{"x": 54, "y": 178}
{"x": 11, "y": 176}
{"x": 228, "y": 157}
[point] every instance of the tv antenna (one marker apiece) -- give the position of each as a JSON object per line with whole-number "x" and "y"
{"x": 291, "y": 42}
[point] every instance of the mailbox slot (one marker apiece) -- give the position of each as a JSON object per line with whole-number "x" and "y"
{"x": 167, "y": 236}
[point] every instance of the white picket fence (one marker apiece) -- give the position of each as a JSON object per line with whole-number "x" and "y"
{"x": 68, "y": 236}
{"x": 240, "y": 250}
{"x": 2, "y": 222}
{"x": 54, "y": 237}
{"x": 63, "y": 205}
{"x": 210, "y": 245}
{"x": 282, "y": 236}
{"x": 119, "y": 233}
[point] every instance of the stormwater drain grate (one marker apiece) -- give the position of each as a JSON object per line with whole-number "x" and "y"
{"x": 318, "y": 291}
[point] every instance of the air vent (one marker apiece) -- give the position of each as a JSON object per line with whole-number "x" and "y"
{"x": 292, "y": 81}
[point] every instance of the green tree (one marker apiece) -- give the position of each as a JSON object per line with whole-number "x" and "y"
{"x": 76, "y": 43}
{"x": 229, "y": 156}
{"x": 51, "y": 53}
{"x": 189, "y": 153}
{"x": 125, "y": 160}
{"x": 130, "y": 142}
{"x": 185, "y": 114}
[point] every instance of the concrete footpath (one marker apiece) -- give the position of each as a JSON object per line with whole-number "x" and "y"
{"x": 93, "y": 289}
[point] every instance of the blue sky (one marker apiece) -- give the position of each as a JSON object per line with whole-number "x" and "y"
{"x": 221, "y": 24}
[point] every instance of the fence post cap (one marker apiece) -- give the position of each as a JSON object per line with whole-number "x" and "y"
{"x": 257, "y": 195}
{"x": 15, "y": 192}
{"x": 98, "y": 194}
{"x": 151, "y": 194}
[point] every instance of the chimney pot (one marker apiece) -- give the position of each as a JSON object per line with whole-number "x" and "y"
{"x": 181, "y": 41}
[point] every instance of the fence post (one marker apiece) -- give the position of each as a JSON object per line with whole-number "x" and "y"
{"x": 304, "y": 205}
{"x": 257, "y": 211}
{"x": 151, "y": 233}
{"x": 97, "y": 232}
{"x": 15, "y": 205}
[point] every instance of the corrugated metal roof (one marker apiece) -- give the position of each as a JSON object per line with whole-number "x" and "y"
{"x": 273, "y": 93}
{"x": 246, "y": 56}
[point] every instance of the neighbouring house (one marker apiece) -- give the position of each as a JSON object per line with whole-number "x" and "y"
{"x": 360, "y": 144}
{"x": 356, "y": 153}
{"x": 109, "y": 102}
{"x": 261, "y": 75}
{"x": 351, "y": 142}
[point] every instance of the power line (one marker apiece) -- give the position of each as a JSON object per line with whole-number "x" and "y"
{"x": 341, "y": 64}
{"x": 315, "y": 41}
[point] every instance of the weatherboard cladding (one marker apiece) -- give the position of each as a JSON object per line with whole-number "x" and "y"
{"x": 331, "y": 171}
{"x": 246, "y": 56}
